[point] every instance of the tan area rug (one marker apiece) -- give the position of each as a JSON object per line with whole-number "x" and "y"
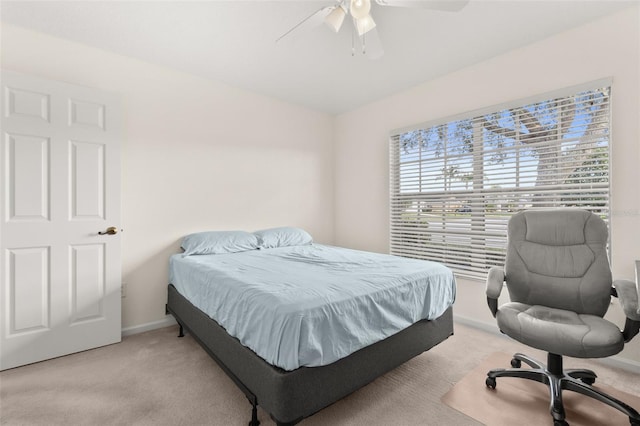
{"x": 525, "y": 402}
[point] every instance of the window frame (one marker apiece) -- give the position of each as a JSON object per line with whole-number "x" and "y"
{"x": 478, "y": 159}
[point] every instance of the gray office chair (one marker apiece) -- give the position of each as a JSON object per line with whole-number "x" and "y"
{"x": 559, "y": 282}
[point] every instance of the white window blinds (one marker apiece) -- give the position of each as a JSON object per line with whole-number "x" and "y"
{"x": 455, "y": 183}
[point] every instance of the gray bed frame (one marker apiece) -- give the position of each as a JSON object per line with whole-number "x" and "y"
{"x": 290, "y": 396}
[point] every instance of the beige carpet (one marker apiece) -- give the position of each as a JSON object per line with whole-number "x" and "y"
{"x": 157, "y": 379}
{"x": 525, "y": 402}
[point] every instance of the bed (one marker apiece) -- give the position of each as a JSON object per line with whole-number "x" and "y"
{"x": 298, "y": 325}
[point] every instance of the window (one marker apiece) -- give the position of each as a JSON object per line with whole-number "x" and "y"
{"x": 455, "y": 183}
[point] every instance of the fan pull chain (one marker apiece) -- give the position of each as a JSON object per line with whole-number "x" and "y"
{"x": 353, "y": 42}
{"x": 364, "y": 44}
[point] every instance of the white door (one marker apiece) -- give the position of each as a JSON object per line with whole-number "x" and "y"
{"x": 60, "y": 187}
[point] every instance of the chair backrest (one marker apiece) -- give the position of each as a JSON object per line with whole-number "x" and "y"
{"x": 558, "y": 258}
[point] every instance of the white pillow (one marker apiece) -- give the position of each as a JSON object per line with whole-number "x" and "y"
{"x": 218, "y": 242}
{"x": 283, "y": 237}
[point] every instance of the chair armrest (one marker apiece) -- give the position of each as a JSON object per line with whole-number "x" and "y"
{"x": 628, "y": 295}
{"x": 627, "y": 292}
{"x": 495, "y": 281}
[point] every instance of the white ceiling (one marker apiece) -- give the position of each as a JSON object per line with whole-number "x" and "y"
{"x": 234, "y": 41}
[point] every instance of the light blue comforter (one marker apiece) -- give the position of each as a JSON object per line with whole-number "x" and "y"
{"x": 312, "y": 305}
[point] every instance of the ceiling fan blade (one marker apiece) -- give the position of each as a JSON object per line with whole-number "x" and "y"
{"x": 444, "y": 5}
{"x": 312, "y": 21}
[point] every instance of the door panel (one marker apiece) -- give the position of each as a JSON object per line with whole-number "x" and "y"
{"x": 28, "y": 290}
{"x": 28, "y": 104}
{"x": 28, "y": 177}
{"x": 87, "y": 282}
{"x": 60, "y": 279}
{"x": 87, "y": 180}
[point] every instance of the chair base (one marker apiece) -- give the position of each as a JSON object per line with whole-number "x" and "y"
{"x": 557, "y": 379}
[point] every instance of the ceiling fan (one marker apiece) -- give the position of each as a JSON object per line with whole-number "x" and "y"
{"x": 364, "y": 27}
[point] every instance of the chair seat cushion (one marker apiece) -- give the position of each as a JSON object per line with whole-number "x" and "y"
{"x": 559, "y": 331}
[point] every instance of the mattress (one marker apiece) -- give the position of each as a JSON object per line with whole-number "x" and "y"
{"x": 312, "y": 305}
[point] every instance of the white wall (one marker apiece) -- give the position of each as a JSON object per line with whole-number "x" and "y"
{"x": 196, "y": 155}
{"x": 201, "y": 155}
{"x": 609, "y": 47}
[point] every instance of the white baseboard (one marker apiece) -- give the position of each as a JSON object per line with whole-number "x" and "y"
{"x": 167, "y": 321}
{"x": 613, "y": 361}
{"x": 489, "y": 328}
{"x": 622, "y": 363}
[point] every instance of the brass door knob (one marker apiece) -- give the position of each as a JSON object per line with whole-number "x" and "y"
{"x": 112, "y": 230}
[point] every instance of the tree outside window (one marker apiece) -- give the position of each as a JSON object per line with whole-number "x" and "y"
{"x": 455, "y": 184}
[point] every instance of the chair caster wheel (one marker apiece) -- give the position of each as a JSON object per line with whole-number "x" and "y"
{"x": 516, "y": 363}
{"x": 588, "y": 380}
{"x": 490, "y": 382}
{"x": 557, "y": 413}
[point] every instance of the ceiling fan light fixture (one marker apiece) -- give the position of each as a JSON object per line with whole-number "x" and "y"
{"x": 360, "y": 8}
{"x": 364, "y": 25}
{"x": 333, "y": 16}
{"x": 335, "y": 19}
